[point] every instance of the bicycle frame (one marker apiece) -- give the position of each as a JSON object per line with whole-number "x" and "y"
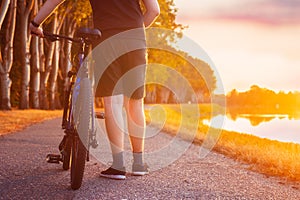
{"x": 73, "y": 144}
{"x": 83, "y": 67}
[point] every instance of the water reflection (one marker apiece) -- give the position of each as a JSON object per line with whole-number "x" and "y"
{"x": 255, "y": 120}
{"x": 281, "y": 127}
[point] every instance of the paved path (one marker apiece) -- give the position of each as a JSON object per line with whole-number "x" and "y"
{"x": 24, "y": 174}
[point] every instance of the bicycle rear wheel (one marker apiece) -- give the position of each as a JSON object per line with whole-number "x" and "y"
{"x": 82, "y": 120}
{"x": 66, "y": 153}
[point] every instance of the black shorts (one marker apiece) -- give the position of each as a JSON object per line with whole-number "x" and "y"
{"x": 125, "y": 68}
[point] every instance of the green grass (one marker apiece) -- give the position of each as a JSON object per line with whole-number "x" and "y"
{"x": 266, "y": 156}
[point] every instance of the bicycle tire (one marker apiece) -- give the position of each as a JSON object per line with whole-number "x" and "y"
{"x": 80, "y": 141}
{"x": 66, "y": 153}
{"x": 67, "y": 145}
{"x": 78, "y": 163}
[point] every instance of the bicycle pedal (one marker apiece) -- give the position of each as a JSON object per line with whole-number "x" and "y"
{"x": 53, "y": 158}
{"x": 100, "y": 115}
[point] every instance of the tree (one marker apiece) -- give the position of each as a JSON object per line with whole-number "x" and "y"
{"x": 6, "y": 60}
{"x": 166, "y": 20}
{"x": 35, "y": 66}
{"x": 189, "y": 78}
{"x": 3, "y": 10}
{"x": 46, "y": 70}
{"x": 39, "y": 67}
{"x": 24, "y": 9}
{"x": 65, "y": 20}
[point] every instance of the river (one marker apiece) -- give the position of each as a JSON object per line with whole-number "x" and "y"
{"x": 275, "y": 127}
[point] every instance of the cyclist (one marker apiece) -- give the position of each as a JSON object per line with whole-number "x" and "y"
{"x": 113, "y": 17}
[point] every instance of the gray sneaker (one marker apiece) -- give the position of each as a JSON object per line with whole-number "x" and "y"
{"x": 140, "y": 170}
{"x": 114, "y": 173}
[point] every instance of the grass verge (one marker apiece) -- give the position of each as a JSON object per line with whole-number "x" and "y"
{"x": 16, "y": 120}
{"x": 266, "y": 156}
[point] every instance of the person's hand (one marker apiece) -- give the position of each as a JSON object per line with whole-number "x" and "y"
{"x": 36, "y": 30}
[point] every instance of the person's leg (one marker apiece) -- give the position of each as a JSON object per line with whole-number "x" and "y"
{"x": 136, "y": 128}
{"x": 113, "y": 107}
{"x": 136, "y": 123}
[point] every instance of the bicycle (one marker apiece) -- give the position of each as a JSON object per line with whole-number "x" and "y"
{"x": 78, "y": 119}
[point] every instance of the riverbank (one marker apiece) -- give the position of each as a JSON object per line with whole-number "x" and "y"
{"x": 269, "y": 157}
{"x": 16, "y": 120}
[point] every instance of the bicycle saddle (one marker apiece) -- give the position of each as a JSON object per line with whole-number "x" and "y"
{"x": 88, "y": 33}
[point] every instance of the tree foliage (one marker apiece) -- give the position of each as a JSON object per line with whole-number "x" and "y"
{"x": 49, "y": 67}
{"x": 263, "y": 100}
{"x": 198, "y": 74}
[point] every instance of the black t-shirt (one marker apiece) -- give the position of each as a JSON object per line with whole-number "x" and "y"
{"x": 116, "y": 14}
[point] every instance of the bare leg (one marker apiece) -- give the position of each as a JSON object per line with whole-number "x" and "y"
{"x": 136, "y": 123}
{"x": 115, "y": 131}
{"x": 114, "y": 122}
{"x": 136, "y": 127}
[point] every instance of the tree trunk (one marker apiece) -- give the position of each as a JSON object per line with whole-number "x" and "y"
{"x": 24, "y": 11}
{"x": 59, "y": 18}
{"x": 53, "y": 76}
{"x": 6, "y": 63}
{"x": 67, "y": 65}
{"x": 42, "y": 59}
{"x": 3, "y": 10}
{"x": 35, "y": 69}
{"x": 151, "y": 94}
{"x": 45, "y": 72}
{"x": 25, "y": 63}
{"x": 164, "y": 95}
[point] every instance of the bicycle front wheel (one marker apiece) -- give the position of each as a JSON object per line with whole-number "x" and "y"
{"x": 78, "y": 163}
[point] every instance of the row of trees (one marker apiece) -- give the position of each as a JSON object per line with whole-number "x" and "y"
{"x": 263, "y": 100}
{"x": 33, "y": 71}
{"x": 29, "y": 65}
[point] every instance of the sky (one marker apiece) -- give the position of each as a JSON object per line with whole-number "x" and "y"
{"x": 251, "y": 42}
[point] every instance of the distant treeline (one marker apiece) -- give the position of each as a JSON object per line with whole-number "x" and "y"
{"x": 262, "y": 100}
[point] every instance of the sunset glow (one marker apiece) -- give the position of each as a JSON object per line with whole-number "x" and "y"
{"x": 250, "y": 42}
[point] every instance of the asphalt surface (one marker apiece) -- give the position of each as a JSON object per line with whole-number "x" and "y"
{"x": 25, "y": 174}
